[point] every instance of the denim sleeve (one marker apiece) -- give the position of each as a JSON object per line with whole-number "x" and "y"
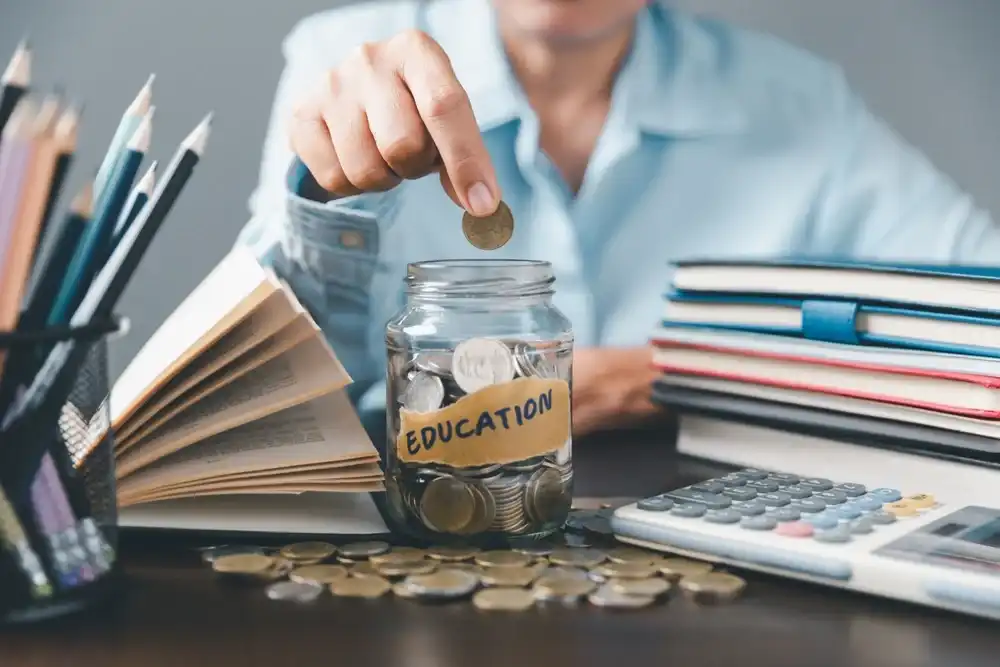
{"x": 885, "y": 200}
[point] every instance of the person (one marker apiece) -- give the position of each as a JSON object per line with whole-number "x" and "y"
{"x": 623, "y": 135}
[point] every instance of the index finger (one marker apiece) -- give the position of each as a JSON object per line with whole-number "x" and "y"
{"x": 445, "y": 109}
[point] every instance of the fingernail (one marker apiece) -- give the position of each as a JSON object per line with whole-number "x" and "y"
{"x": 481, "y": 201}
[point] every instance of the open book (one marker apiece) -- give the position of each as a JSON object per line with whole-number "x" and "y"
{"x": 233, "y": 417}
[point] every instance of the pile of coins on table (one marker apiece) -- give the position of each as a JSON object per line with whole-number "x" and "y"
{"x": 521, "y": 498}
{"x": 619, "y": 577}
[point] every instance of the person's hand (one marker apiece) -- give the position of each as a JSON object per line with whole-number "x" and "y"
{"x": 394, "y": 110}
{"x": 612, "y": 389}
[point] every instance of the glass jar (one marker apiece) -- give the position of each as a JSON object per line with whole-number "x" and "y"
{"x": 478, "y": 385}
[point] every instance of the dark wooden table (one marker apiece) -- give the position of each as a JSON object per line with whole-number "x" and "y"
{"x": 175, "y": 614}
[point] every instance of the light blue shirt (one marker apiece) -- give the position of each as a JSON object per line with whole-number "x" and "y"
{"x": 720, "y": 142}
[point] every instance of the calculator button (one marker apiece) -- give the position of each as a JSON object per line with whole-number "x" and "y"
{"x": 868, "y": 503}
{"x": 723, "y": 516}
{"x": 750, "y": 507}
{"x": 816, "y": 483}
{"x": 810, "y": 505}
{"x": 762, "y": 485}
{"x": 783, "y": 479}
{"x": 797, "y": 491}
{"x": 758, "y": 522}
{"x": 822, "y": 521}
{"x": 851, "y": 489}
{"x": 831, "y": 497}
{"x": 881, "y": 517}
{"x": 920, "y": 501}
{"x": 655, "y": 504}
{"x": 887, "y": 495}
{"x": 733, "y": 480}
{"x": 688, "y": 510}
{"x": 777, "y": 499}
{"x": 783, "y": 513}
{"x": 900, "y": 509}
{"x": 709, "y": 486}
{"x": 834, "y": 535}
{"x": 847, "y": 511}
{"x": 739, "y": 493}
{"x": 794, "y": 529}
{"x": 751, "y": 473}
{"x": 861, "y": 526}
{"x": 711, "y": 501}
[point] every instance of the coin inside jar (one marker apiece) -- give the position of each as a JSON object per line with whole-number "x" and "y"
{"x": 490, "y": 232}
{"x": 424, "y": 393}
{"x": 478, "y": 363}
{"x": 447, "y": 505}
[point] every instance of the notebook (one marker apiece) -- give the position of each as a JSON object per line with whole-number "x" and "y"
{"x": 234, "y": 417}
{"x": 942, "y": 308}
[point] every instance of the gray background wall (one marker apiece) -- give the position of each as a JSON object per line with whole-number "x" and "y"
{"x": 931, "y": 67}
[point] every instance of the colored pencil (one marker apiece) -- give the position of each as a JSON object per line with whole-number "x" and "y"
{"x": 96, "y": 243}
{"x": 15, "y": 81}
{"x": 16, "y": 149}
{"x": 137, "y": 200}
{"x": 127, "y": 126}
{"x": 66, "y": 140}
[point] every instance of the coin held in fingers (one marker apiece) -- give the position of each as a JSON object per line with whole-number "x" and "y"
{"x": 490, "y": 232}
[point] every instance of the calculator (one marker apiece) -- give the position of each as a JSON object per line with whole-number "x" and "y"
{"x": 895, "y": 543}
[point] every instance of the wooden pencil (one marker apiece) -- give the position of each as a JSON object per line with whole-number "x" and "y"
{"x": 15, "y": 81}
{"x": 65, "y": 136}
{"x": 16, "y": 150}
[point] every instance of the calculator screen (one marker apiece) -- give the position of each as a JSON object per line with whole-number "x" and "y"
{"x": 967, "y": 539}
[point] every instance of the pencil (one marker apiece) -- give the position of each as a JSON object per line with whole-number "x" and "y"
{"x": 15, "y": 81}
{"x": 66, "y": 140}
{"x": 52, "y": 383}
{"x": 16, "y": 150}
{"x": 96, "y": 243}
{"x": 137, "y": 200}
{"x": 127, "y": 126}
{"x": 13, "y": 536}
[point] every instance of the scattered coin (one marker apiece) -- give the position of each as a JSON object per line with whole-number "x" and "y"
{"x": 503, "y": 559}
{"x": 280, "y": 570}
{"x": 568, "y": 590}
{"x": 308, "y": 551}
{"x": 490, "y": 232}
{"x": 209, "y": 554}
{"x": 401, "y": 590}
{"x": 452, "y": 554}
{"x": 503, "y": 599}
{"x": 318, "y": 574}
{"x": 398, "y": 555}
{"x": 607, "y": 597}
{"x": 363, "y": 550}
{"x": 243, "y": 564}
{"x": 294, "y": 591}
{"x": 563, "y": 572}
{"x": 443, "y": 584}
{"x": 508, "y": 576}
{"x": 642, "y": 587}
{"x": 675, "y": 568}
{"x": 478, "y": 363}
{"x": 364, "y": 568}
{"x": 712, "y": 587}
{"x": 582, "y": 557}
{"x": 405, "y": 568}
{"x": 360, "y": 587}
{"x": 632, "y": 555}
{"x": 532, "y": 548}
{"x": 626, "y": 570}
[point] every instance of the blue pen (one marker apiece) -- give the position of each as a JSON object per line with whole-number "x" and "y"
{"x": 95, "y": 246}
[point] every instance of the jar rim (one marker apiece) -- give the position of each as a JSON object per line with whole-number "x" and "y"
{"x": 484, "y": 262}
{"x": 449, "y": 278}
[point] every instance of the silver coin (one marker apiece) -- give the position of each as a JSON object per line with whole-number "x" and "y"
{"x": 438, "y": 363}
{"x": 545, "y": 497}
{"x": 425, "y": 393}
{"x": 444, "y": 584}
{"x": 294, "y": 591}
{"x": 478, "y": 363}
{"x": 362, "y": 550}
{"x": 209, "y": 554}
{"x": 606, "y": 596}
{"x": 533, "y": 363}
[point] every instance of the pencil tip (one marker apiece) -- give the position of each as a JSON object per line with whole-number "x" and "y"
{"x": 209, "y": 117}
{"x": 25, "y": 43}
{"x": 83, "y": 203}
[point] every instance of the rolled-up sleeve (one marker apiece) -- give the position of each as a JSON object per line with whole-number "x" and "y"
{"x": 327, "y": 251}
{"x": 885, "y": 200}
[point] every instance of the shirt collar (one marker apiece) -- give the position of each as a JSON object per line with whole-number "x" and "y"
{"x": 673, "y": 83}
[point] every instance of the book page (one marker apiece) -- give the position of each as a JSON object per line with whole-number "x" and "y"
{"x": 273, "y": 314}
{"x": 306, "y": 372}
{"x": 334, "y": 487}
{"x": 294, "y": 514}
{"x": 233, "y": 289}
{"x": 316, "y": 433}
{"x": 301, "y": 329}
{"x": 312, "y": 468}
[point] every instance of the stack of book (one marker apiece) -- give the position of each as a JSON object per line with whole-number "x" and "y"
{"x": 233, "y": 417}
{"x": 822, "y": 360}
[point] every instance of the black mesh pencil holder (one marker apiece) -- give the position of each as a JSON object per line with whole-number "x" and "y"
{"x": 58, "y": 509}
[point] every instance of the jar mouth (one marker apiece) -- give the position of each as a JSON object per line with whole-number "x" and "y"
{"x": 444, "y": 278}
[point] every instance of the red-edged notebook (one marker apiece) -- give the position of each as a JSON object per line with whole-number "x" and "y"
{"x": 943, "y": 391}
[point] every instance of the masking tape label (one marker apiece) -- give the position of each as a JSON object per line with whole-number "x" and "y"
{"x": 502, "y": 423}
